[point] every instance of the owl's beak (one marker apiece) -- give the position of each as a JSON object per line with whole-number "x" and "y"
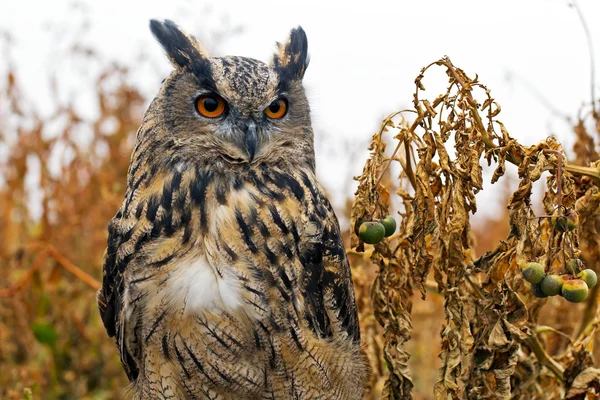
{"x": 251, "y": 140}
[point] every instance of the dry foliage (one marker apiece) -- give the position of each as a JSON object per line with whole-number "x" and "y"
{"x": 497, "y": 339}
{"x": 52, "y": 340}
{"x": 492, "y": 342}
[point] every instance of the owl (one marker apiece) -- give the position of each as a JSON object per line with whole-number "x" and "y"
{"x": 225, "y": 275}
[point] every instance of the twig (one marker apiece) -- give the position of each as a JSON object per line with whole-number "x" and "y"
{"x": 534, "y": 344}
{"x": 475, "y": 287}
{"x": 535, "y": 92}
{"x": 588, "y": 36}
{"x": 593, "y": 173}
{"x": 69, "y": 266}
{"x": 412, "y": 128}
{"x": 42, "y": 256}
{"x": 37, "y": 264}
{"x": 544, "y": 328}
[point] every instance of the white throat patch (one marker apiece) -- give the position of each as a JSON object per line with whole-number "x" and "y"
{"x": 197, "y": 287}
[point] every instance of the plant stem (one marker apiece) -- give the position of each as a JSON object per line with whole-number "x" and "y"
{"x": 593, "y": 173}
{"x": 588, "y": 36}
{"x": 412, "y": 128}
{"x": 534, "y": 344}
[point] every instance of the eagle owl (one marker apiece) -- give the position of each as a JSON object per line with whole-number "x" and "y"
{"x": 225, "y": 276}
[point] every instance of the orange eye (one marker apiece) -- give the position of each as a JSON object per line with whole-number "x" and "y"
{"x": 210, "y": 105}
{"x": 277, "y": 109}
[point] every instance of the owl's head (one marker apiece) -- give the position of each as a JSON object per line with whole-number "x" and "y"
{"x": 233, "y": 110}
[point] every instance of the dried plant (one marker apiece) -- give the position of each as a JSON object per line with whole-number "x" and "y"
{"x": 492, "y": 345}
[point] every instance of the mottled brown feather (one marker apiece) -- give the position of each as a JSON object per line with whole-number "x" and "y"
{"x": 226, "y": 277}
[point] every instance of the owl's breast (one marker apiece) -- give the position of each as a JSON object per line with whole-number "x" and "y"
{"x": 227, "y": 285}
{"x": 243, "y": 238}
{"x": 194, "y": 285}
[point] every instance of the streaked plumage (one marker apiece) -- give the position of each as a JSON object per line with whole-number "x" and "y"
{"x": 225, "y": 275}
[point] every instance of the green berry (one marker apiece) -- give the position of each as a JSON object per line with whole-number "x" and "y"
{"x": 537, "y": 291}
{"x": 357, "y": 225}
{"x": 564, "y": 223}
{"x": 574, "y": 290}
{"x": 533, "y": 272}
{"x": 371, "y": 232}
{"x": 589, "y": 277}
{"x": 559, "y": 223}
{"x": 574, "y": 265}
{"x": 389, "y": 223}
{"x": 551, "y": 284}
{"x": 571, "y": 225}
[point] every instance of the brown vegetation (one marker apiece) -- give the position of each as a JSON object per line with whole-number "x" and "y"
{"x": 498, "y": 340}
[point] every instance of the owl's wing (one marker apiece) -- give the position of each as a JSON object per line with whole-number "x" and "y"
{"x": 156, "y": 206}
{"x": 110, "y": 295}
{"x": 327, "y": 287}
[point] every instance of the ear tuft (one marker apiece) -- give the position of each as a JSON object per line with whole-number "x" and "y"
{"x": 183, "y": 50}
{"x": 291, "y": 58}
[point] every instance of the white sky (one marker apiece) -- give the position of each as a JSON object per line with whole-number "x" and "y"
{"x": 363, "y": 58}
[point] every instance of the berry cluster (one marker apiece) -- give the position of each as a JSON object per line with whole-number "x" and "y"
{"x": 374, "y": 231}
{"x": 573, "y": 288}
{"x": 575, "y": 284}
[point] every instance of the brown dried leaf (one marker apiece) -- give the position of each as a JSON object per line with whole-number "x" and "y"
{"x": 587, "y": 382}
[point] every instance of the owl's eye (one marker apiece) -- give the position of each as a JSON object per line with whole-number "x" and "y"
{"x": 277, "y": 109}
{"x": 210, "y": 105}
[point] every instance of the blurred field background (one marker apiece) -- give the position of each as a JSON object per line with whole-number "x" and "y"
{"x": 62, "y": 177}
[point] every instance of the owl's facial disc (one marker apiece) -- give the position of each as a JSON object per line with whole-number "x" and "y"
{"x": 245, "y": 111}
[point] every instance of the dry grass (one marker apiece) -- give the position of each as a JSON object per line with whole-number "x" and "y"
{"x": 52, "y": 339}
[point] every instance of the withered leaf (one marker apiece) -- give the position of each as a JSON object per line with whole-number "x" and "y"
{"x": 587, "y": 382}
